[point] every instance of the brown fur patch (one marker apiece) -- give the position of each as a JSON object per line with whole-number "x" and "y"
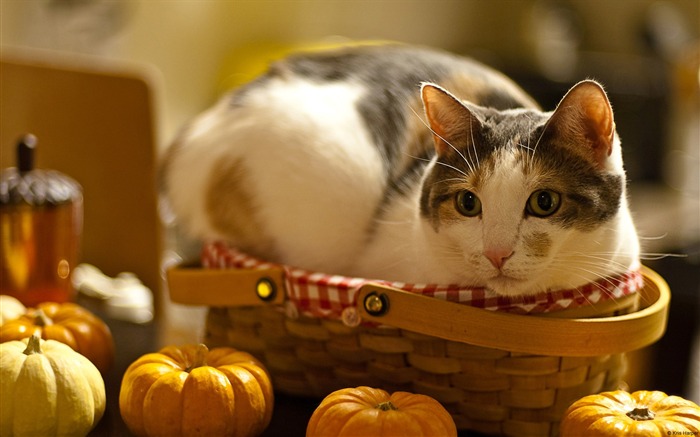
{"x": 231, "y": 209}
{"x": 537, "y": 244}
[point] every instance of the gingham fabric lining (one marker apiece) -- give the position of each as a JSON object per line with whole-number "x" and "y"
{"x": 327, "y": 296}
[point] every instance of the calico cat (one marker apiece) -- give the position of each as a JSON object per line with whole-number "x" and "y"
{"x": 408, "y": 164}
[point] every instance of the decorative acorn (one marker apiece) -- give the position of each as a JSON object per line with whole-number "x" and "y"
{"x": 41, "y": 212}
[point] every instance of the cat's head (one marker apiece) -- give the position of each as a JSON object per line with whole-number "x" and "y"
{"x": 521, "y": 201}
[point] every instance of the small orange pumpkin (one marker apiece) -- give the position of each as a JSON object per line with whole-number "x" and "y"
{"x": 366, "y": 411}
{"x": 190, "y": 390}
{"x": 642, "y": 413}
{"x": 68, "y": 323}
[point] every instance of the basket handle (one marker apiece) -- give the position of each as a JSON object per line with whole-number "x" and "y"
{"x": 535, "y": 335}
{"x": 192, "y": 285}
{"x": 442, "y": 319}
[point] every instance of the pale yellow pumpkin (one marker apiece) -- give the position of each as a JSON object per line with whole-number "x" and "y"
{"x": 10, "y": 308}
{"x": 48, "y": 389}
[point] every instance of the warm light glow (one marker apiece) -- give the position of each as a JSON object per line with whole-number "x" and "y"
{"x": 63, "y": 269}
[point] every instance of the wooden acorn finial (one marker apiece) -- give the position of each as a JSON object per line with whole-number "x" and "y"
{"x": 25, "y": 153}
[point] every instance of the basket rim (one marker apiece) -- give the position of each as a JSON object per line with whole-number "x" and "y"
{"x": 535, "y": 334}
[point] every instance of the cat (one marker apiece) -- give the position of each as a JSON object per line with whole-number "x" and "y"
{"x": 408, "y": 164}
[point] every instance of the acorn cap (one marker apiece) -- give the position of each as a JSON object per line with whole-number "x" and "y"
{"x": 26, "y": 185}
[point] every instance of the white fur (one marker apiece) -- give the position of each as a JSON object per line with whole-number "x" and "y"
{"x": 312, "y": 171}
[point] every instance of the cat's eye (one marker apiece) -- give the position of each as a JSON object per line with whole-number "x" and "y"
{"x": 468, "y": 204}
{"x": 543, "y": 203}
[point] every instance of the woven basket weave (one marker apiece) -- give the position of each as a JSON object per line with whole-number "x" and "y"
{"x": 497, "y": 373}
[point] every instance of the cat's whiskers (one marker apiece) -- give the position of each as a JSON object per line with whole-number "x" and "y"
{"x": 604, "y": 278}
{"x": 393, "y": 222}
{"x": 568, "y": 266}
{"x": 530, "y": 151}
{"x": 457, "y": 180}
{"x": 390, "y": 263}
{"x": 595, "y": 263}
{"x": 527, "y": 162}
{"x": 449, "y": 252}
{"x": 440, "y": 163}
{"x": 584, "y": 274}
{"x": 471, "y": 134}
{"x": 643, "y": 256}
{"x": 654, "y": 256}
{"x": 466, "y": 161}
{"x": 452, "y": 167}
{"x": 524, "y": 146}
{"x": 537, "y": 143}
{"x": 653, "y": 238}
{"x": 598, "y": 264}
{"x": 602, "y": 259}
{"x": 418, "y": 158}
{"x": 598, "y": 267}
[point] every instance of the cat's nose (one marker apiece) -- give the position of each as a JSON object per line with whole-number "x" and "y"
{"x": 498, "y": 256}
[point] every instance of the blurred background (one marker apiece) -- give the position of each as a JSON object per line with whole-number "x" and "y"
{"x": 645, "y": 52}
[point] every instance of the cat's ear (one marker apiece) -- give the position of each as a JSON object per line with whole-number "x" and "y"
{"x": 450, "y": 120}
{"x": 584, "y": 116}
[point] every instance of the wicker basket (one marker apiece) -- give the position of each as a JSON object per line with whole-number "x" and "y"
{"x": 497, "y": 373}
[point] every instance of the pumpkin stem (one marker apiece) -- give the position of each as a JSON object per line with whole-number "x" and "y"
{"x": 41, "y": 319}
{"x": 33, "y": 345}
{"x": 200, "y": 357}
{"x": 640, "y": 414}
{"x": 386, "y": 406}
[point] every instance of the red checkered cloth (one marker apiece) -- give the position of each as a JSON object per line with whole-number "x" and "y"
{"x": 327, "y": 296}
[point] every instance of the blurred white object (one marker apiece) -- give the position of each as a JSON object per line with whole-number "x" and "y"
{"x": 125, "y": 297}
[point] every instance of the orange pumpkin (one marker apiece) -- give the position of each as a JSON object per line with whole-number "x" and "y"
{"x": 190, "y": 390}
{"x": 68, "y": 323}
{"x": 366, "y": 411}
{"x": 642, "y": 413}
